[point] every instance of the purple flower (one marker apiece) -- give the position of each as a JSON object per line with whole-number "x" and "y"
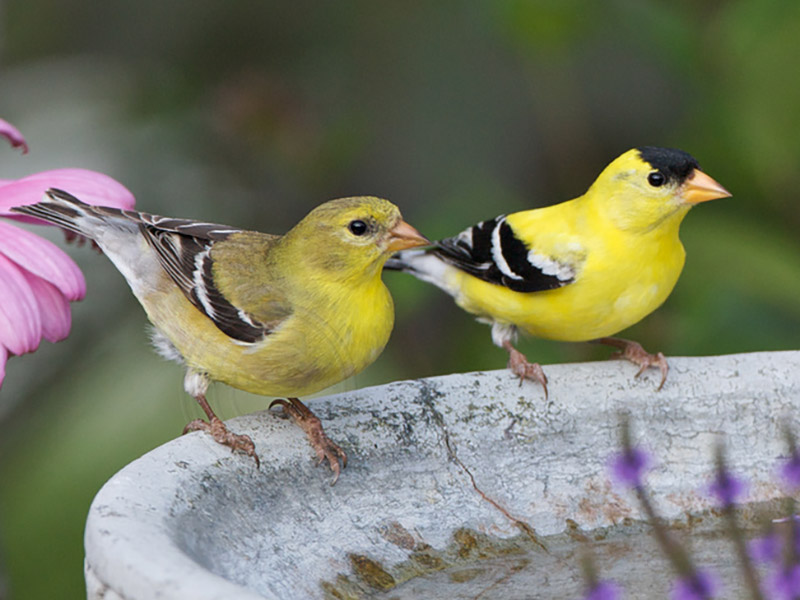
{"x": 726, "y": 487}
{"x": 790, "y": 471}
{"x": 786, "y": 583}
{"x": 765, "y": 549}
{"x": 698, "y": 586}
{"x": 628, "y": 467}
{"x": 793, "y": 534}
{"x": 37, "y": 279}
{"x": 603, "y": 590}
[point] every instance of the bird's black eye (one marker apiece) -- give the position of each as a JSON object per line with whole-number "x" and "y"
{"x": 656, "y": 179}
{"x": 357, "y": 227}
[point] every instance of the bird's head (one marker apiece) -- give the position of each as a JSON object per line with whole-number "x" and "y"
{"x": 647, "y": 185}
{"x": 355, "y": 236}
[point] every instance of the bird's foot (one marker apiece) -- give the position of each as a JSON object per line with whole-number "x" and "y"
{"x": 325, "y": 448}
{"x": 217, "y": 429}
{"x": 633, "y": 352}
{"x": 523, "y": 369}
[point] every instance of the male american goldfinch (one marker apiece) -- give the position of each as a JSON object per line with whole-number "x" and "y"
{"x": 273, "y": 315}
{"x": 580, "y": 270}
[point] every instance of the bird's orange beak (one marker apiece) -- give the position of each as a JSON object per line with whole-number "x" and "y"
{"x": 701, "y": 188}
{"x": 403, "y": 236}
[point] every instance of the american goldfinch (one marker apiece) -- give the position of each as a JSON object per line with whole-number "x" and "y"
{"x": 580, "y": 270}
{"x": 273, "y": 315}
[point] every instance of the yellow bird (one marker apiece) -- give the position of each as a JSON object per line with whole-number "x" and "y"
{"x": 273, "y": 315}
{"x": 581, "y": 270}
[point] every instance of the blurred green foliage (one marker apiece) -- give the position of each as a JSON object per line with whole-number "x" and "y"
{"x": 253, "y": 112}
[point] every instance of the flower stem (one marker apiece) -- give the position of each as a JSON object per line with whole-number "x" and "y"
{"x": 732, "y": 526}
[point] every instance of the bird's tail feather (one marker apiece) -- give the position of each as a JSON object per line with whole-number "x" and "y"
{"x": 425, "y": 264}
{"x": 404, "y": 260}
{"x": 65, "y": 210}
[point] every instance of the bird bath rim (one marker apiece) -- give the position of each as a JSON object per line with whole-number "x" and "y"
{"x": 191, "y": 520}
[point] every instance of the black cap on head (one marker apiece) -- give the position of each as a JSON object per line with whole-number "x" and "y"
{"x": 675, "y": 165}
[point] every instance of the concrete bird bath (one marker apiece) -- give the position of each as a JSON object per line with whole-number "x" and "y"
{"x": 448, "y": 478}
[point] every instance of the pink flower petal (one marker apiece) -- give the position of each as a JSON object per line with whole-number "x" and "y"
{"x": 20, "y": 322}
{"x": 89, "y": 186}
{"x": 42, "y": 258}
{"x": 3, "y": 359}
{"x": 53, "y": 308}
{"x": 13, "y": 135}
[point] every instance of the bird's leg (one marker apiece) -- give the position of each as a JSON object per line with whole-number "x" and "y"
{"x": 503, "y": 335}
{"x": 519, "y": 365}
{"x": 196, "y": 384}
{"x": 633, "y": 352}
{"x": 310, "y": 423}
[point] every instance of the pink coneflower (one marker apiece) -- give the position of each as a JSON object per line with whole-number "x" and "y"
{"x": 37, "y": 279}
{"x": 13, "y": 135}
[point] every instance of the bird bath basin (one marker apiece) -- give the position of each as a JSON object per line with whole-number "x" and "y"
{"x": 447, "y": 481}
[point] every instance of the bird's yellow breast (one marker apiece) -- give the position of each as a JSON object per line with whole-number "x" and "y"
{"x": 324, "y": 341}
{"x": 622, "y": 277}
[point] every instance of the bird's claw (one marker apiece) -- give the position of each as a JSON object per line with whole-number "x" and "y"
{"x": 323, "y": 446}
{"x": 519, "y": 366}
{"x": 333, "y": 453}
{"x": 221, "y": 434}
{"x": 633, "y": 352}
{"x": 653, "y": 360}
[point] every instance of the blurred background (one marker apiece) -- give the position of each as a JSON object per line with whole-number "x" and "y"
{"x": 251, "y": 113}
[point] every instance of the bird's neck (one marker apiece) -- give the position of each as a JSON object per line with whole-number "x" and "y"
{"x": 633, "y": 217}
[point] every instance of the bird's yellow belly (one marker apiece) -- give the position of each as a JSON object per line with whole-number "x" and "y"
{"x": 292, "y": 361}
{"x": 610, "y": 294}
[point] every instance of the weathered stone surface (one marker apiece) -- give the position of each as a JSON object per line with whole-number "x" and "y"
{"x": 191, "y": 520}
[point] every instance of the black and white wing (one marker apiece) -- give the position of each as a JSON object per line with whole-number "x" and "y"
{"x": 184, "y": 251}
{"x": 491, "y": 251}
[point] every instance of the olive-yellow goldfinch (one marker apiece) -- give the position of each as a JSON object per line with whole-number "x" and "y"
{"x": 273, "y": 315}
{"x": 580, "y": 270}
